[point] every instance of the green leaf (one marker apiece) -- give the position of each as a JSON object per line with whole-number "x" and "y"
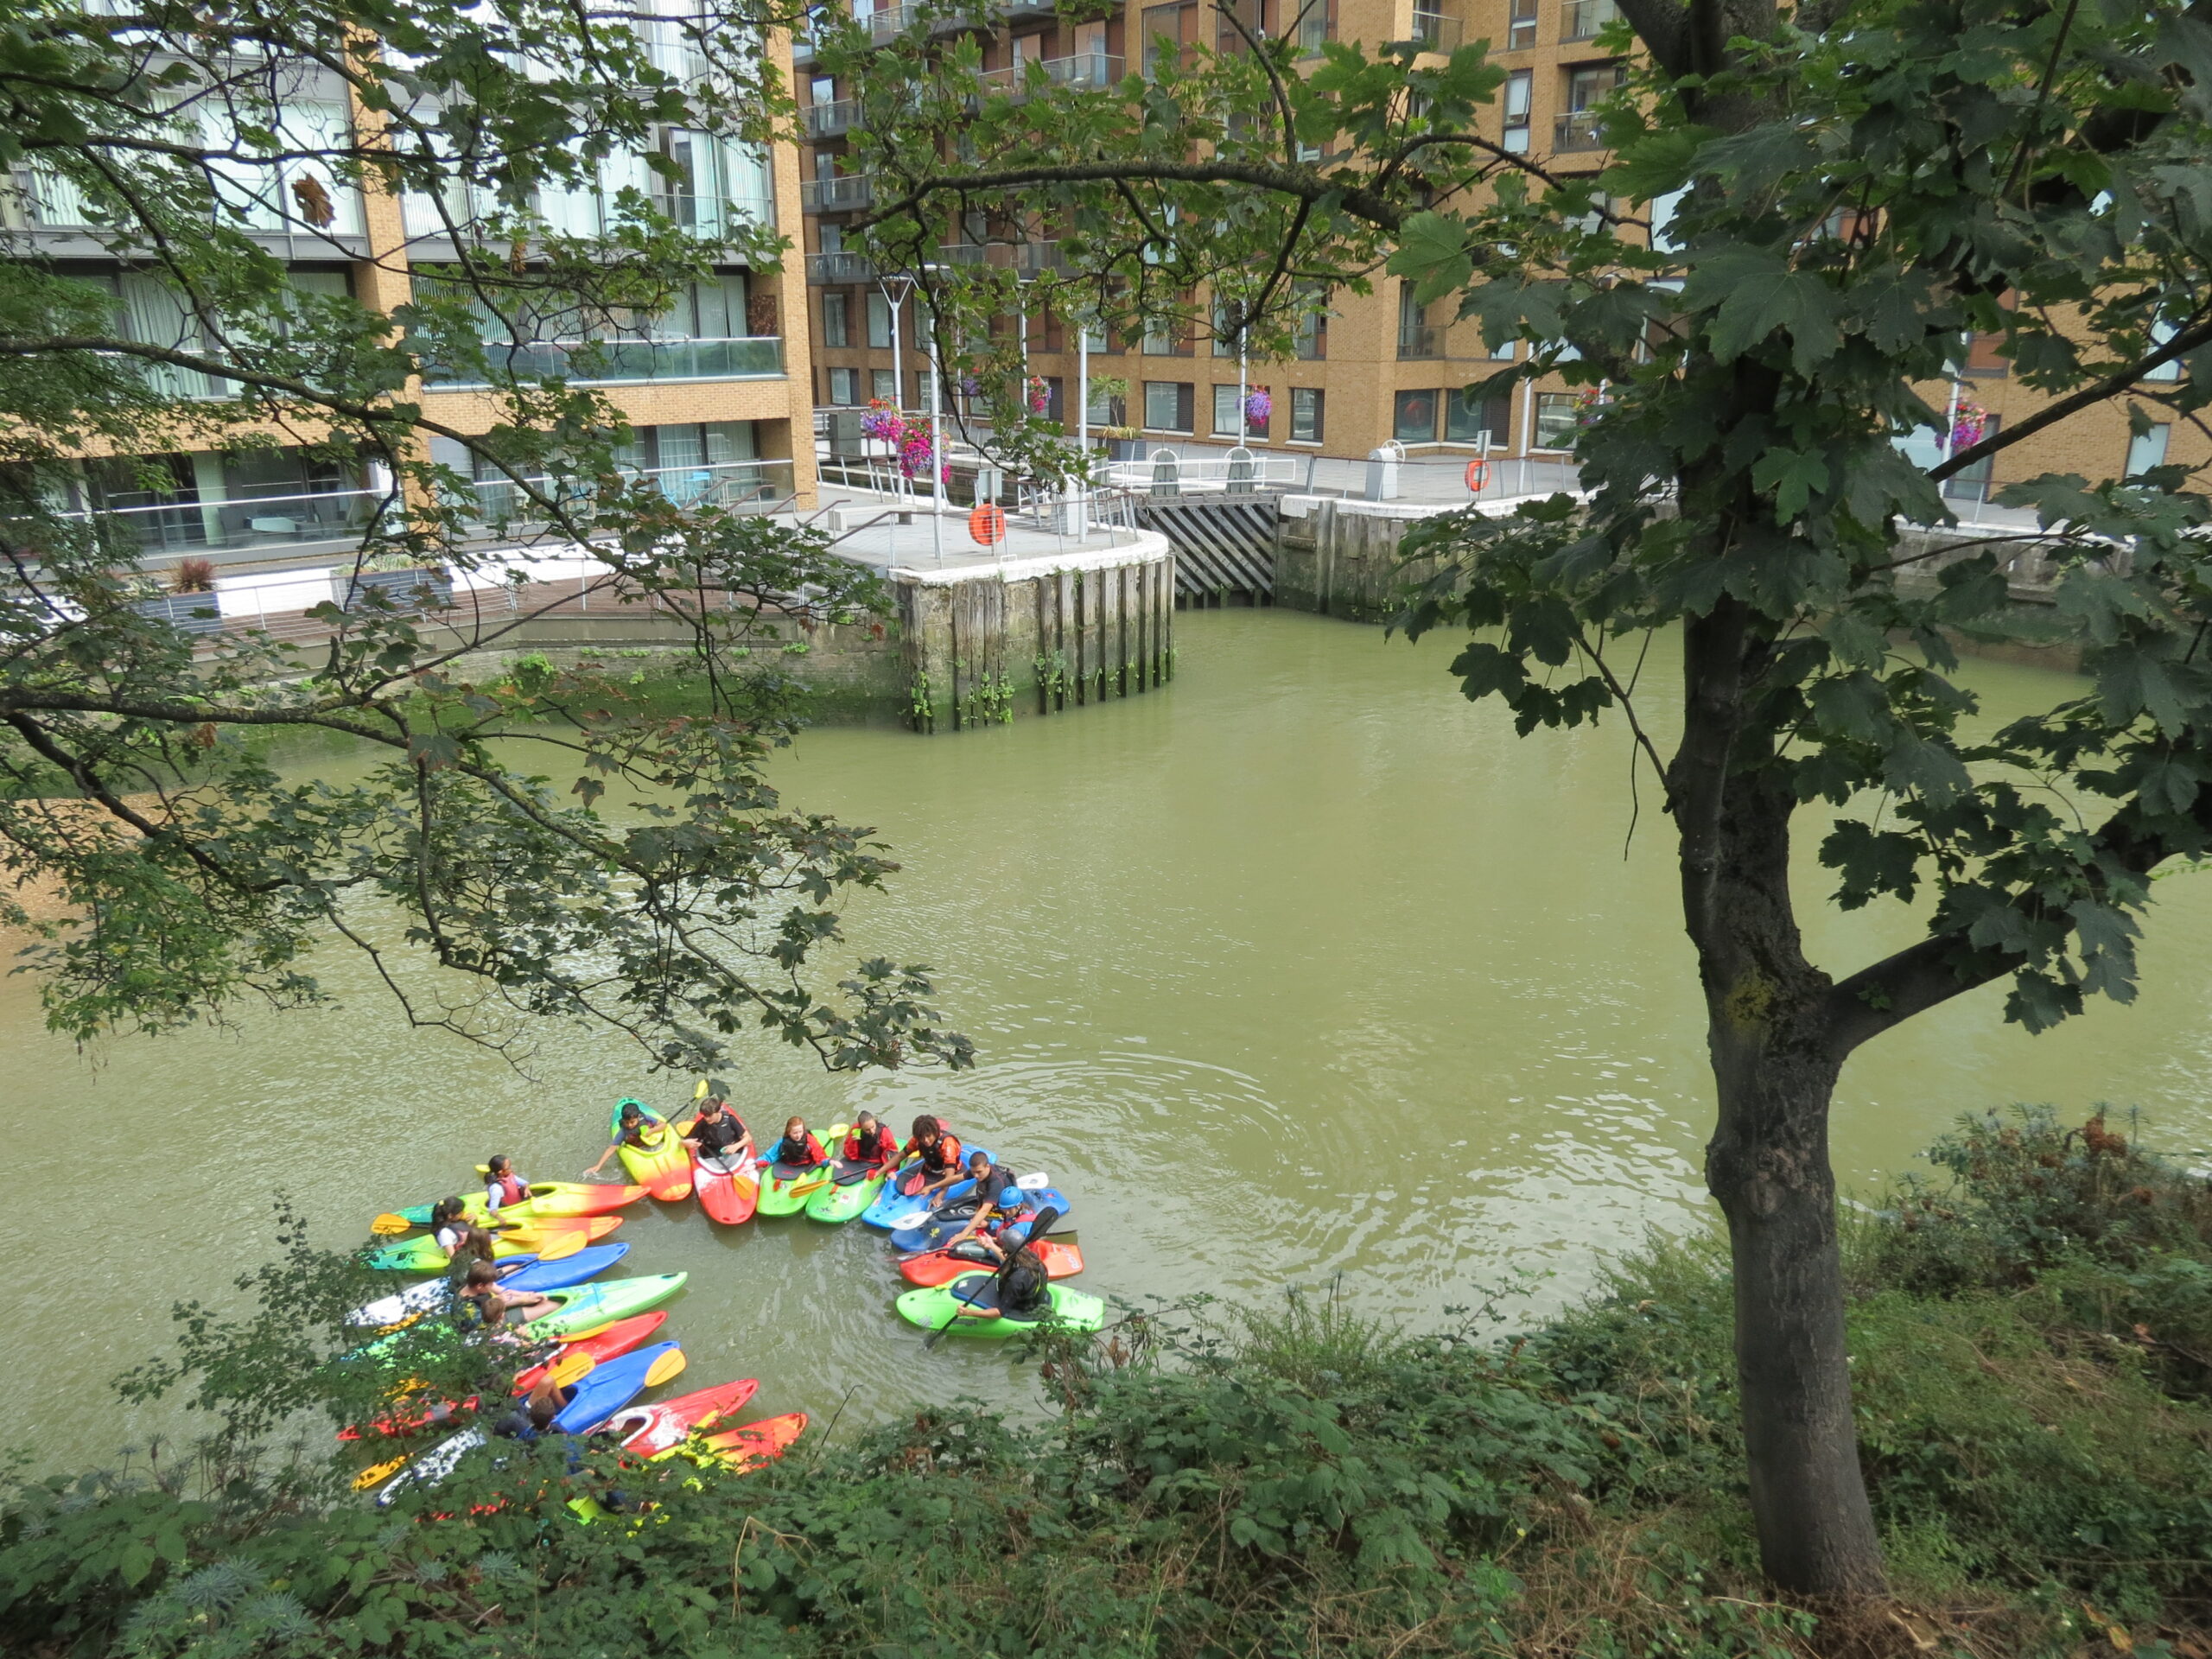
{"x": 1792, "y": 478}
{"x": 1433, "y": 251}
{"x": 1754, "y": 294}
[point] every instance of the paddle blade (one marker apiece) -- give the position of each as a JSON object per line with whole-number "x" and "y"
{"x": 570, "y": 1367}
{"x": 377, "y": 1473}
{"x": 560, "y": 1244}
{"x": 700, "y": 1093}
{"x": 388, "y": 1225}
{"x": 670, "y": 1364}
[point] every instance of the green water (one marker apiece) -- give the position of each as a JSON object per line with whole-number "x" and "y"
{"x": 1305, "y": 968}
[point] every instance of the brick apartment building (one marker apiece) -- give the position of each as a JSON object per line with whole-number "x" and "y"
{"x": 1374, "y": 368}
{"x": 716, "y": 391}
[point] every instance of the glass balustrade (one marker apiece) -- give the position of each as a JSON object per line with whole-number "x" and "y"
{"x": 613, "y": 362}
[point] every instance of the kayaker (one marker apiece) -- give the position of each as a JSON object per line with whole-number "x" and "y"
{"x": 456, "y": 1233}
{"x": 496, "y": 1306}
{"x": 630, "y": 1130}
{"x": 533, "y": 1414}
{"x": 998, "y": 1200}
{"x": 719, "y": 1134}
{"x": 798, "y": 1149}
{"x": 502, "y": 1186}
{"x": 870, "y": 1143}
{"x": 1024, "y": 1289}
{"x": 934, "y": 1150}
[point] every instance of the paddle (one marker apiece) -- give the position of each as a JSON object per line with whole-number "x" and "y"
{"x": 670, "y": 1364}
{"x": 561, "y": 1245}
{"x": 388, "y": 1225}
{"x": 1038, "y": 1229}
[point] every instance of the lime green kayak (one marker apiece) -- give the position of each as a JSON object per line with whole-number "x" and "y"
{"x": 786, "y": 1188}
{"x": 1073, "y": 1310}
{"x": 848, "y": 1193}
{"x": 586, "y": 1307}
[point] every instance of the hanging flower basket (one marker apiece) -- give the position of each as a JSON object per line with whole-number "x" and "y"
{"x": 1968, "y": 422}
{"x": 1040, "y": 394}
{"x": 1258, "y": 407}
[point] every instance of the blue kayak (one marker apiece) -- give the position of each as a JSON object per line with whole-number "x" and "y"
{"x": 608, "y": 1388}
{"x": 531, "y": 1274}
{"x": 939, "y": 1231}
{"x": 893, "y": 1209}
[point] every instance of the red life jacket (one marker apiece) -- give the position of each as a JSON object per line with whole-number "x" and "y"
{"x": 513, "y": 1188}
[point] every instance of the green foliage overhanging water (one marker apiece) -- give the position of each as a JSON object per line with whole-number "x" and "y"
{"x": 2031, "y": 1334}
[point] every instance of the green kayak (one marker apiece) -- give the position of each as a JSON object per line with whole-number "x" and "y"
{"x": 847, "y": 1194}
{"x": 1073, "y": 1310}
{"x": 586, "y": 1307}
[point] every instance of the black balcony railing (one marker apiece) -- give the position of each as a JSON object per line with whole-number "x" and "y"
{"x": 1576, "y": 131}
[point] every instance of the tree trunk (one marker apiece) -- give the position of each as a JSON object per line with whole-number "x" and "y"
{"x": 1774, "y": 1066}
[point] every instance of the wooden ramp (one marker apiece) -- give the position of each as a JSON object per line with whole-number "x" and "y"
{"x": 1223, "y": 544}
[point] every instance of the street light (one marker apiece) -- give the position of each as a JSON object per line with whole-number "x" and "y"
{"x": 904, "y": 285}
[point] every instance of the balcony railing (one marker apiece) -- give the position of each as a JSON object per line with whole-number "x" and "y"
{"x": 833, "y": 118}
{"x": 271, "y": 522}
{"x": 623, "y": 362}
{"x": 837, "y": 267}
{"x": 1026, "y": 258}
{"x": 716, "y": 215}
{"x": 1434, "y": 32}
{"x": 1082, "y": 71}
{"x": 1419, "y": 340}
{"x": 836, "y": 195}
{"x": 34, "y": 198}
{"x": 1582, "y": 20}
{"x": 1576, "y": 131}
{"x": 734, "y": 486}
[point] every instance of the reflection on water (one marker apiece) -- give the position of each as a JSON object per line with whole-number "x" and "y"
{"x": 1305, "y": 968}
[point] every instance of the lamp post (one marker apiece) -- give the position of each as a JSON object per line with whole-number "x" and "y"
{"x": 937, "y": 427}
{"x": 1082, "y": 424}
{"x": 895, "y": 288}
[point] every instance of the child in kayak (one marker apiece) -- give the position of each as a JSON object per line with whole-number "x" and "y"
{"x": 630, "y": 1132}
{"x": 495, "y": 1307}
{"x": 533, "y": 1415}
{"x": 998, "y": 1201}
{"x": 798, "y": 1149}
{"x": 457, "y": 1235}
{"x": 502, "y": 1186}
{"x": 934, "y": 1151}
{"x": 723, "y": 1142}
{"x": 870, "y": 1143}
{"x": 1024, "y": 1289}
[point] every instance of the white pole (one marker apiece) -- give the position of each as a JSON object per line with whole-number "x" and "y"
{"x": 1082, "y": 424}
{"x": 937, "y": 436}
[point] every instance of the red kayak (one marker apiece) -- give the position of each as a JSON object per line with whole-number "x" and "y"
{"x": 726, "y": 1197}
{"x": 650, "y": 1430}
{"x": 602, "y": 1344}
{"x": 942, "y": 1267}
{"x": 739, "y": 1449}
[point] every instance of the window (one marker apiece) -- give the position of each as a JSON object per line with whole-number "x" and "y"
{"x": 1163, "y": 36}
{"x": 1416, "y": 339}
{"x": 1306, "y": 414}
{"x": 2161, "y": 333}
{"x": 1983, "y": 361}
{"x": 1465, "y": 421}
{"x": 1414, "y": 420}
{"x": 1585, "y": 87}
{"x": 1973, "y": 483}
{"x": 834, "y": 329}
{"x": 845, "y": 385}
{"x": 833, "y": 237}
{"x": 1163, "y": 337}
{"x": 1226, "y": 321}
{"x": 1316, "y": 23}
{"x": 881, "y": 387}
{"x": 1559, "y": 414}
{"x": 1167, "y": 406}
{"x": 1521, "y": 27}
{"x": 2143, "y": 453}
{"x": 1581, "y": 20}
{"x": 1108, "y": 406}
{"x": 1225, "y": 424}
{"x": 878, "y": 321}
{"x": 1312, "y": 343}
{"x": 1519, "y": 89}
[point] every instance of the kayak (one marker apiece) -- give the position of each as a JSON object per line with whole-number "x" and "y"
{"x": 664, "y": 1168}
{"x": 433, "y": 1465}
{"x": 852, "y": 1188}
{"x": 651, "y": 1430}
{"x": 739, "y": 1449}
{"x": 1073, "y": 1310}
{"x": 603, "y": 1343}
{"x": 893, "y": 1209}
{"x": 546, "y": 1199}
{"x": 587, "y": 1307}
{"x": 785, "y": 1188}
{"x": 727, "y": 1192}
{"x": 605, "y": 1390}
{"x": 948, "y": 1219}
{"x": 526, "y": 1238}
{"x": 529, "y": 1273}
{"x": 943, "y": 1267}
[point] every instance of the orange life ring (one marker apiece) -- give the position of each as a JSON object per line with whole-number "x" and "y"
{"x": 988, "y": 525}
{"x": 1477, "y": 475}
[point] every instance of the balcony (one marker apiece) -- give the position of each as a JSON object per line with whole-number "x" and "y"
{"x": 834, "y": 118}
{"x": 624, "y": 362}
{"x": 715, "y": 216}
{"x": 1084, "y": 72}
{"x": 1582, "y": 20}
{"x": 261, "y": 201}
{"x": 1576, "y": 131}
{"x": 839, "y": 268}
{"x": 836, "y": 195}
{"x": 1418, "y": 340}
{"x": 732, "y": 486}
{"x": 1434, "y": 32}
{"x": 1024, "y": 258}
{"x": 263, "y": 524}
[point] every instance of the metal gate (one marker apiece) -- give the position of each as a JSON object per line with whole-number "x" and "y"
{"x": 1221, "y": 547}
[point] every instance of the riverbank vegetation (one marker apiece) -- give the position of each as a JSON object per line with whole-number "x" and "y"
{"x": 2031, "y": 1334}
